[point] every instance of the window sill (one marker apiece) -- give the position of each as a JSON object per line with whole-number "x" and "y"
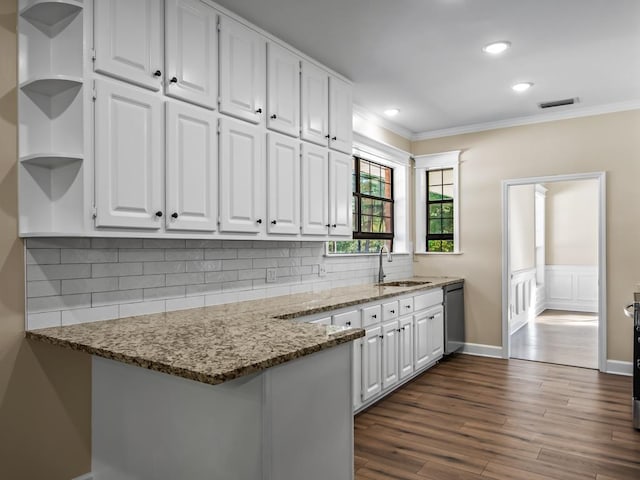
{"x": 341, "y": 255}
{"x": 438, "y": 253}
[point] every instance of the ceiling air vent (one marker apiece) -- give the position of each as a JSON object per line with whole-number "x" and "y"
{"x": 559, "y": 103}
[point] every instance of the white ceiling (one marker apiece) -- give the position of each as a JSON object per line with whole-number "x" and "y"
{"x": 424, "y": 56}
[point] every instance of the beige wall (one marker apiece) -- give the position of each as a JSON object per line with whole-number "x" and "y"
{"x": 599, "y": 143}
{"x": 572, "y": 223}
{"x": 45, "y": 403}
{"x": 522, "y": 227}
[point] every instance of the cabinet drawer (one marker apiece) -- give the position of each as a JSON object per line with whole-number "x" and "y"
{"x": 426, "y": 300}
{"x": 347, "y": 319}
{"x": 370, "y": 315}
{"x": 406, "y": 305}
{"x": 390, "y": 310}
{"x": 322, "y": 321}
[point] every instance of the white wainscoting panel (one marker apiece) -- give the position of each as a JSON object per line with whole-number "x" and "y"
{"x": 522, "y": 300}
{"x": 572, "y": 287}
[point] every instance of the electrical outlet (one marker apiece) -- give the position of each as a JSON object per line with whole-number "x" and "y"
{"x": 272, "y": 275}
{"x": 322, "y": 270}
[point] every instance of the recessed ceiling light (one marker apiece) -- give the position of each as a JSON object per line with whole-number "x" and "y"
{"x": 495, "y": 48}
{"x": 521, "y": 87}
{"x": 392, "y": 112}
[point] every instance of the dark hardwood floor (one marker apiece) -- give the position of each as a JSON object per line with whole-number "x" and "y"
{"x": 479, "y": 418}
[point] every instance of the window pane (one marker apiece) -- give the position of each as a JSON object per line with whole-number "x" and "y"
{"x": 447, "y": 245}
{"x": 367, "y": 206}
{"x": 435, "y": 210}
{"x": 447, "y": 192}
{"x": 435, "y": 193}
{"x": 434, "y": 246}
{"x": 447, "y": 176}
{"x": 388, "y": 208}
{"x": 447, "y": 210}
{"x": 447, "y": 225}
{"x": 435, "y": 226}
{"x": 435, "y": 177}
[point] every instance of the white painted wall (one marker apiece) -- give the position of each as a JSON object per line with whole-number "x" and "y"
{"x": 521, "y": 227}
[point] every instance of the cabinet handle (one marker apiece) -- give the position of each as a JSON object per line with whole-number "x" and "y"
{"x": 259, "y": 110}
{"x": 327, "y": 225}
{"x": 374, "y": 315}
{"x": 273, "y": 222}
{"x": 334, "y": 138}
{"x": 432, "y": 317}
{"x": 392, "y": 311}
{"x": 398, "y": 330}
{"x": 174, "y": 215}
{"x": 348, "y": 324}
{"x": 158, "y": 214}
{"x": 259, "y": 220}
{"x": 274, "y": 116}
{"x": 174, "y": 80}
{"x": 327, "y": 136}
{"x": 407, "y": 306}
{"x": 403, "y": 328}
{"x": 157, "y": 73}
{"x": 381, "y": 337}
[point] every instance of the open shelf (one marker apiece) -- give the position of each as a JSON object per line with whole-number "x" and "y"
{"x": 51, "y": 85}
{"x": 50, "y": 12}
{"x": 50, "y": 160}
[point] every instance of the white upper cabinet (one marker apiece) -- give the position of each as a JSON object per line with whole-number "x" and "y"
{"x": 314, "y": 98}
{"x": 340, "y": 115}
{"x": 129, "y": 157}
{"x": 242, "y": 177}
{"x": 128, "y": 41}
{"x": 340, "y": 194}
{"x": 283, "y": 90}
{"x": 283, "y": 184}
{"x": 315, "y": 190}
{"x": 192, "y": 168}
{"x": 242, "y": 71}
{"x": 191, "y": 55}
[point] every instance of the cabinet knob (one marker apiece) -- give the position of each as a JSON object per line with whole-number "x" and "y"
{"x": 327, "y": 136}
{"x": 158, "y": 214}
{"x": 274, "y": 116}
{"x": 398, "y": 330}
{"x": 157, "y": 73}
{"x": 407, "y": 306}
{"x": 392, "y": 311}
{"x": 327, "y": 225}
{"x": 374, "y": 316}
{"x": 381, "y": 337}
{"x": 174, "y": 215}
{"x": 273, "y": 222}
{"x": 259, "y": 110}
{"x": 259, "y": 220}
{"x": 334, "y": 138}
{"x": 174, "y": 80}
{"x": 334, "y": 225}
{"x": 348, "y": 324}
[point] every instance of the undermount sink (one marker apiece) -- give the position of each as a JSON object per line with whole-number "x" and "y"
{"x": 403, "y": 283}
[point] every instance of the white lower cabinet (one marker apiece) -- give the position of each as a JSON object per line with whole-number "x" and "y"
{"x": 371, "y": 376}
{"x": 421, "y": 339}
{"x": 390, "y": 364}
{"x": 405, "y": 347}
{"x": 436, "y": 332}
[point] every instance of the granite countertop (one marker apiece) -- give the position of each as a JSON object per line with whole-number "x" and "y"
{"x": 219, "y": 343}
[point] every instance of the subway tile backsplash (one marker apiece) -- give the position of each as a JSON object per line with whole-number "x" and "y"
{"x": 77, "y": 280}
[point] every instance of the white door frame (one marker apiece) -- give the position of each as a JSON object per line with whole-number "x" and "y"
{"x": 602, "y": 257}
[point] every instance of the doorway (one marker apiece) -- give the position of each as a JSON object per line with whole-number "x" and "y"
{"x": 553, "y": 278}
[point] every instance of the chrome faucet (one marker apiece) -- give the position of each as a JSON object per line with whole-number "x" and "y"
{"x": 381, "y": 274}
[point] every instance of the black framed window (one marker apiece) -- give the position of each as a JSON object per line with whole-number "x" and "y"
{"x": 372, "y": 207}
{"x": 440, "y": 213}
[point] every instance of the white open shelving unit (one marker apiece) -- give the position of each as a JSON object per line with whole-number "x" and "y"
{"x": 51, "y": 106}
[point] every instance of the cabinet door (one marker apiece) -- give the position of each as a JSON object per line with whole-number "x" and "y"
{"x": 283, "y": 90}
{"x": 436, "y": 333}
{"x": 405, "y": 342}
{"x": 357, "y": 373}
{"x": 129, "y": 161}
{"x": 241, "y": 177}
{"x": 421, "y": 340}
{"x": 242, "y": 71}
{"x": 390, "y": 365}
{"x": 314, "y": 104}
{"x": 340, "y": 115}
{"x": 128, "y": 41}
{"x": 315, "y": 190}
{"x": 192, "y": 168}
{"x": 340, "y": 194}
{"x": 191, "y": 52}
{"x": 283, "y": 184}
{"x": 371, "y": 363}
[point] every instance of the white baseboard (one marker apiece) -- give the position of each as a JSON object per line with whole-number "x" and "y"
{"x": 617, "y": 367}
{"x": 86, "y": 476}
{"x": 518, "y": 325}
{"x": 572, "y": 307}
{"x": 482, "y": 350}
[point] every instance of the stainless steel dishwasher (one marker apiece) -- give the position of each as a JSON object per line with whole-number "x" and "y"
{"x": 453, "y": 317}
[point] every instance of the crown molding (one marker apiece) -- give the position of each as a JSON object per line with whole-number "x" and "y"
{"x": 379, "y": 121}
{"x": 528, "y": 120}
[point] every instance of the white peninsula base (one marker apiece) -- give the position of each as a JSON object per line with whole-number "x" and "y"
{"x": 289, "y": 422}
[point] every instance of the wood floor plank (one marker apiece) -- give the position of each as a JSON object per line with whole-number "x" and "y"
{"x": 472, "y": 418}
